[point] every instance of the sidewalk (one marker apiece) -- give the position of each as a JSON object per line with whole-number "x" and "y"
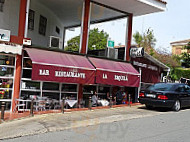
{"x": 11, "y": 116}
{"x": 70, "y": 120}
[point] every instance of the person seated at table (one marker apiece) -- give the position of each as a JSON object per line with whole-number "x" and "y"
{"x": 94, "y": 99}
{"x": 108, "y": 96}
{"x": 119, "y": 96}
{"x": 72, "y": 98}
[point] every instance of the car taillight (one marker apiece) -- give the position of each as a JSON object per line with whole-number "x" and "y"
{"x": 162, "y": 97}
{"x": 141, "y": 95}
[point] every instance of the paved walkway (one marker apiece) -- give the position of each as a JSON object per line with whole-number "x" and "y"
{"x": 11, "y": 116}
{"x": 70, "y": 120}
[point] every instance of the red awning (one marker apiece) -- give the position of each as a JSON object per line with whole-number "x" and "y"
{"x": 60, "y": 67}
{"x": 115, "y": 73}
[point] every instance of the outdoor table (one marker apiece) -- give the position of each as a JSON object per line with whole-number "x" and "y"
{"x": 103, "y": 102}
{"x": 71, "y": 103}
{"x": 39, "y": 105}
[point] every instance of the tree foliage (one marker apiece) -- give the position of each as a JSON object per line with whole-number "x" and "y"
{"x": 146, "y": 40}
{"x": 73, "y": 44}
{"x": 138, "y": 38}
{"x": 181, "y": 72}
{"x": 97, "y": 40}
{"x": 185, "y": 57}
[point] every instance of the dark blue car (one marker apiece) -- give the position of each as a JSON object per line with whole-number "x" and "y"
{"x": 169, "y": 95}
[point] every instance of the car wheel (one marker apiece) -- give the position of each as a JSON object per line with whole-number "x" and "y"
{"x": 149, "y": 106}
{"x": 176, "y": 106}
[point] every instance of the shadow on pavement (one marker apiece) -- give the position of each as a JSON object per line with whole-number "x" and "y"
{"x": 156, "y": 109}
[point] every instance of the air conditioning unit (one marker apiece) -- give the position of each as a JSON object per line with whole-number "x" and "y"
{"x": 54, "y": 42}
{"x": 112, "y": 53}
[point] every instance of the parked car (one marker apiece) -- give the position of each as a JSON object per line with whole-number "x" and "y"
{"x": 169, "y": 95}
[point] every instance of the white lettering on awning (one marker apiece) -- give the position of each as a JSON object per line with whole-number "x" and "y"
{"x": 121, "y": 78}
{"x": 44, "y": 72}
{"x": 69, "y": 74}
{"x": 105, "y": 76}
{"x": 145, "y": 66}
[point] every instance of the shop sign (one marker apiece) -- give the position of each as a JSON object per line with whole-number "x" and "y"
{"x": 69, "y": 74}
{"x": 27, "y": 42}
{"x": 4, "y": 35}
{"x": 154, "y": 68}
{"x": 62, "y": 74}
{"x": 110, "y": 43}
{"x": 117, "y": 78}
{"x": 8, "y": 47}
{"x": 136, "y": 52}
{"x": 121, "y": 78}
{"x": 43, "y": 72}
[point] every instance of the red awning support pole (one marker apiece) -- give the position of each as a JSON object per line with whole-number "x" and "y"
{"x": 128, "y": 37}
{"x": 85, "y": 27}
{"x": 21, "y": 33}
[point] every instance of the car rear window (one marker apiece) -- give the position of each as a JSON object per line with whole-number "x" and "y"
{"x": 161, "y": 87}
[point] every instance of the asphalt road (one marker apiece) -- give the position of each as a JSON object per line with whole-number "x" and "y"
{"x": 168, "y": 127}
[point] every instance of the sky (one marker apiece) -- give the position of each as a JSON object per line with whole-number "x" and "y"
{"x": 171, "y": 25}
{"x": 168, "y": 26}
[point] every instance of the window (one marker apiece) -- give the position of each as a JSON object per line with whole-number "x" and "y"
{"x": 69, "y": 88}
{"x": 32, "y": 85}
{"x": 51, "y": 86}
{"x": 7, "y": 66}
{"x": 161, "y": 87}
{"x": 27, "y": 73}
{"x": 1, "y": 5}
{"x": 187, "y": 88}
{"x": 31, "y": 19}
{"x": 57, "y": 30}
{"x": 42, "y": 25}
{"x": 7, "y": 60}
{"x": 181, "y": 88}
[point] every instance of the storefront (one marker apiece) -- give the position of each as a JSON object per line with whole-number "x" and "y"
{"x": 56, "y": 75}
{"x": 118, "y": 75}
{"x": 152, "y": 70}
{"x": 8, "y": 52}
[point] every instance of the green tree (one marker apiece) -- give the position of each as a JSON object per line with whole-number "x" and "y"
{"x": 185, "y": 57}
{"x": 138, "y": 38}
{"x": 73, "y": 44}
{"x": 146, "y": 40}
{"x": 97, "y": 40}
{"x": 149, "y": 38}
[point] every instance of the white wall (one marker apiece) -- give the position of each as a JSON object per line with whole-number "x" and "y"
{"x": 52, "y": 22}
{"x": 9, "y": 18}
